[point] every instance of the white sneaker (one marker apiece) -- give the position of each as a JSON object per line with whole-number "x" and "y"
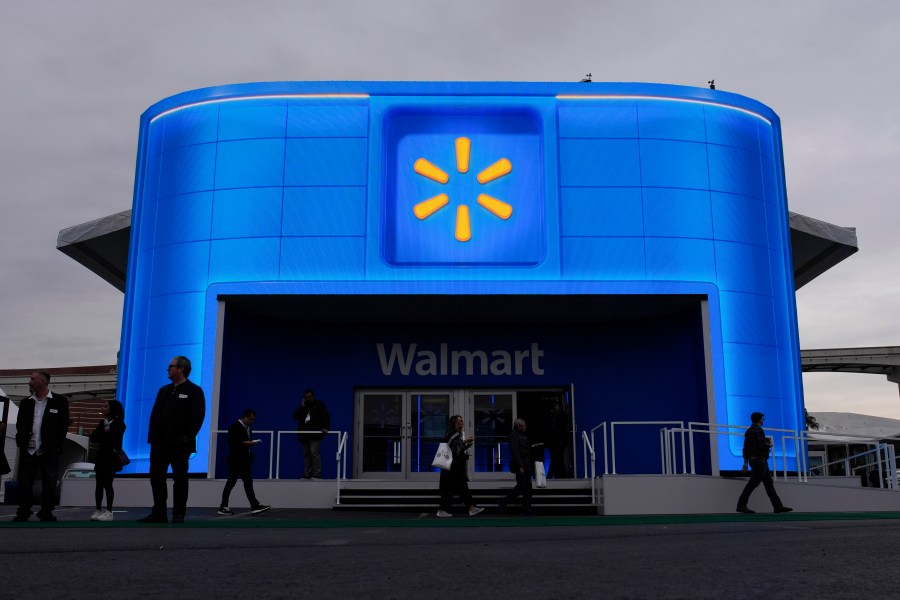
{"x": 105, "y": 516}
{"x": 443, "y": 514}
{"x": 475, "y": 510}
{"x": 94, "y": 517}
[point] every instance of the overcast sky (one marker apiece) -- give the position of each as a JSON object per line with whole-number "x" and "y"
{"x": 76, "y": 76}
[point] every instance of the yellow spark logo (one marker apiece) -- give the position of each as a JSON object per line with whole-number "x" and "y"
{"x": 427, "y": 169}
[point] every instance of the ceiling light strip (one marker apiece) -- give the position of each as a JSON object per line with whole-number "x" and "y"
{"x": 272, "y": 97}
{"x": 664, "y": 98}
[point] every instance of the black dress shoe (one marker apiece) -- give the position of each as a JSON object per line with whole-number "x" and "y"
{"x": 178, "y": 518}
{"x": 745, "y": 510}
{"x": 153, "y": 518}
{"x": 783, "y": 509}
{"x": 47, "y": 518}
{"x": 20, "y": 518}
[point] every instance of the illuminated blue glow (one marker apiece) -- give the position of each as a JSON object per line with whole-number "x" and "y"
{"x": 308, "y": 188}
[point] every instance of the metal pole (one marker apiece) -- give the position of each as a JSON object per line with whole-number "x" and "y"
{"x": 690, "y": 434}
{"x": 612, "y": 438}
{"x": 278, "y": 458}
{"x": 605, "y": 459}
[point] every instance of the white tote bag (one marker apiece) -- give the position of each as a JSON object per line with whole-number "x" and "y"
{"x": 443, "y": 458}
{"x": 540, "y": 476}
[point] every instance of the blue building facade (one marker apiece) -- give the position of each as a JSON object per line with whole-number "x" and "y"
{"x": 413, "y": 250}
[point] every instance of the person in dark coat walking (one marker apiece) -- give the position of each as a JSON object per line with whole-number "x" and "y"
{"x": 756, "y": 453}
{"x": 312, "y": 416}
{"x": 455, "y": 481}
{"x": 108, "y": 437}
{"x": 520, "y": 464}
{"x": 240, "y": 463}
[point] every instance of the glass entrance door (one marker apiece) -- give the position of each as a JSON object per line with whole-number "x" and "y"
{"x": 398, "y": 433}
{"x": 491, "y": 416}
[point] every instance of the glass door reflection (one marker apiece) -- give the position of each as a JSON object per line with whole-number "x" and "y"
{"x": 428, "y": 415}
{"x": 492, "y": 419}
{"x": 382, "y": 433}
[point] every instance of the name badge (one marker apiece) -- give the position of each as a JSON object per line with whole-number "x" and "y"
{"x": 53, "y": 410}
{"x": 182, "y": 395}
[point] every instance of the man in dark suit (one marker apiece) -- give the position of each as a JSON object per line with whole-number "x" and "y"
{"x": 40, "y": 432}
{"x": 240, "y": 463}
{"x": 175, "y": 421}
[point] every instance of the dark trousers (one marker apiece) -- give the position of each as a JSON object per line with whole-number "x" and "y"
{"x": 30, "y": 465}
{"x": 104, "y": 475}
{"x": 759, "y": 473}
{"x": 244, "y": 474}
{"x": 312, "y": 456}
{"x": 558, "y": 467}
{"x": 523, "y": 488}
{"x": 161, "y": 456}
{"x": 454, "y": 483}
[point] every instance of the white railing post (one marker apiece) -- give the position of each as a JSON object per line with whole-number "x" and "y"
{"x": 584, "y": 451}
{"x": 612, "y": 439}
{"x": 664, "y": 451}
{"x": 278, "y": 457}
{"x": 585, "y": 444}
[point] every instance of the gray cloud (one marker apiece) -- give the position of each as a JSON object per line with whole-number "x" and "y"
{"x": 77, "y": 76}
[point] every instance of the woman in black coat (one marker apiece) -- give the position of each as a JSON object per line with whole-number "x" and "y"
{"x": 108, "y": 437}
{"x": 455, "y": 482}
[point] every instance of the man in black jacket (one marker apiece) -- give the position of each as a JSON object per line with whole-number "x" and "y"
{"x": 175, "y": 421}
{"x": 520, "y": 464}
{"x": 40, "y": 432}
{"x": 756, "y": 453}
{"x": 240, "y": 462}
{"x": 312, "y": 416}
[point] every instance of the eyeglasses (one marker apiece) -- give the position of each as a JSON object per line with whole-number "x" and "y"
{"x": 172, "y": 366}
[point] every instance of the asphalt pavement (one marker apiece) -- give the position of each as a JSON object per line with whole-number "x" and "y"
{"x": 338, "y": 554}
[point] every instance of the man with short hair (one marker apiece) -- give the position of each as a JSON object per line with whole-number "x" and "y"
{"x": 175, "y": 421}
{"x": 519, "y": 464}
{"x": 40, "y": 433}
{"x": 312, "y": 416}
{"x": 240, "y": 463}
{"x": 756, "y": 453}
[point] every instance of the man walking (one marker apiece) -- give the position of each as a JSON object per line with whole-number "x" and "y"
{"x": 240, "y": 463}
{"x": 175, "y": 421}
{"x": 312, "y": 416}
{"x": 40, "y": 432}
{"x": 520, "y": 464}
{"x": 756, "y": 453}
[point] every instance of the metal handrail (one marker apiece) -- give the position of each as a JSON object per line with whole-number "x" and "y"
{"x": 889, "y": 461}
{"x": 587, "y": 445}
{"x": 294, "y": 432}
{"x": 605, "y": 446}
{"x": 342, "y": 444}
{"x": 260, "y": 431}
{"x": 612, "y": 435}
{"x": 713, "y": 429}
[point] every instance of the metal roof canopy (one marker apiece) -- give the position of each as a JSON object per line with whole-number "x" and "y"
{"x": 102, "y": 246}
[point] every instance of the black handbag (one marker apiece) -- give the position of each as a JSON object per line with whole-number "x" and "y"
{"x": 122, "y": 460}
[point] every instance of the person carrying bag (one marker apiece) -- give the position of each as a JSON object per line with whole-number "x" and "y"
{"x": 455, "y": 480}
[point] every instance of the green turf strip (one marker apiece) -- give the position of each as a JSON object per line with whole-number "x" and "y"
{"x": 463, "y": 521}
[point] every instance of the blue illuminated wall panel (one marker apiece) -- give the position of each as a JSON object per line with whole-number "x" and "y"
{"x": 313, "y": 188}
